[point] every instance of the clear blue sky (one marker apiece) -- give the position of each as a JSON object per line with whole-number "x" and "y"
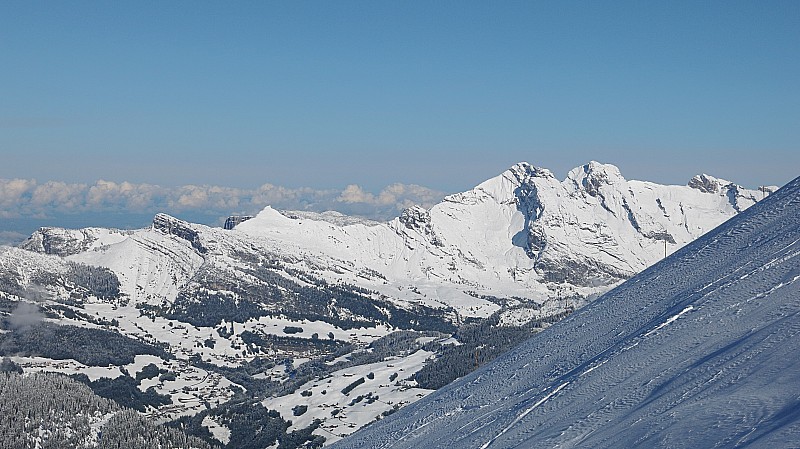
{"x": 441, "y": 94}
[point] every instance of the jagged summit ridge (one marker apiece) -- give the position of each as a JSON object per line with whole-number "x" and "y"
{"x": 502, "y": 188}
{"x": 593, "y": 176}
{"x": 179, "y": 228}
{"x": 589, "y": 231}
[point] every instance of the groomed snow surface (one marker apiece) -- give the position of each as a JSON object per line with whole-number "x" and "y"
{"x": 699, "y": 350}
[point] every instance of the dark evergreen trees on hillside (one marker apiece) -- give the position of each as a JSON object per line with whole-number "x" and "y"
{"x": 92, "y": 347}
{"x": 253, "y": 427}
{"x": 130, "y": 430}
{"x": 124, "y": 390}
{"x": 272, "y": 293}
{"x": 52, "y": 411}
{"x": 480, "y": 344}
{"x": 8, "y": 366}
{"x": 100, "y": 281}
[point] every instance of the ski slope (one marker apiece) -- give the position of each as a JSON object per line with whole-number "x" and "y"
{"x": 699, "y": 350}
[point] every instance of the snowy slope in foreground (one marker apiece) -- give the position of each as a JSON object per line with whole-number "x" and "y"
{"x": 700, "y": 350}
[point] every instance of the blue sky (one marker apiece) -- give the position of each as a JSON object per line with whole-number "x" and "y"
{"x": 440, "y": 94}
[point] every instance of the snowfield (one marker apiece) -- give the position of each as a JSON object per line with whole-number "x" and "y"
{"x": 387, "y": 386}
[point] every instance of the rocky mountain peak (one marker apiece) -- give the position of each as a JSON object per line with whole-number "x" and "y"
{"x": 708, "y": 184}
{"x": 57, "y": 241}
{"x": 523, "y": 171}
{"x": 415, "y": 217}
{"x": 594, "y": 175}
{"x": 179, "y": 228}
{"x": 506, "y": 187}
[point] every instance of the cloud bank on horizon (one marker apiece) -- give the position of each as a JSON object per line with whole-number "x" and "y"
{"x": 27, "y": 198}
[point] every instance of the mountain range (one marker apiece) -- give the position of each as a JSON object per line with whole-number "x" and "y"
{"x": 305, "y": 313}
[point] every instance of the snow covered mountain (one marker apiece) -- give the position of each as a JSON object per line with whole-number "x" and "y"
{"x": 521, "y": 234}
{"x": 523, "y": 238}
{"x": 267, "y": 306}
{"x": 699, "y": 350}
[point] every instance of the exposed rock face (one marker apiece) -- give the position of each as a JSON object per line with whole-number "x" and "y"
{"x": 66, "y": 242}
{"x": 532, "y": 236}
{"x": 707, "y": 184}
{"x": 234, "y": 220}
{"x": 592, "y": 177}
{"x": 416, "y": 218}
{"x": 738, "y": 197}
{"x": 179, "y": 228}
{"x": 57, "y": 241}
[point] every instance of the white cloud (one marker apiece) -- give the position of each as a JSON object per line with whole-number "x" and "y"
{"x": 355, "y": 194}
{"x": 191, "y": 197}
{"x": 398, "y": 195}
{"x": 12, "y": 191}
{"x": 71, "y": 196}
{"x": 206, "y": 198}
{"x": 27, "y": 198}
{"x": 125, "y": 195}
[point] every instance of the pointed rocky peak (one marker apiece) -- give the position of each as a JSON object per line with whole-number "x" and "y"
{"x": 504, "y": 187}
{"x": 592, "y": 176}
{"x": 167, "y": 223}
{"x": 523, "y": 171}
{"x": 415, "y": 217}
{"x": 519, "y": 175}
{"x": 418, "y": 219}
{"x": 740, "y": 198}
{"x": 708, "y": 184}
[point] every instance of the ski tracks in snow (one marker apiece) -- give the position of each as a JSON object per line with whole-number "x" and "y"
{"x": 522, "y": 415}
